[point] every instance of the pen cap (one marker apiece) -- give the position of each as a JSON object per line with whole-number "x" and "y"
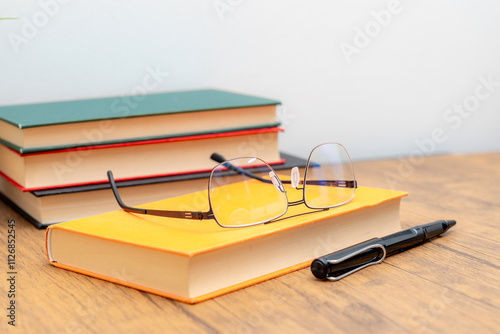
{"x": 434, "y": 229}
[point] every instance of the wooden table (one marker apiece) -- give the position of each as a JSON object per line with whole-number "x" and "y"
{"x": 448, "y": 285}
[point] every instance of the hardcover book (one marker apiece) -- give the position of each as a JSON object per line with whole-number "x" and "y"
{"x": 195, "y": 260}
{"x": 131, "y": 160}
{"x": 67, "y": 124}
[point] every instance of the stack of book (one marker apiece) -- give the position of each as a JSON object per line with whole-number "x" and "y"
{"x": 54, "y": 156}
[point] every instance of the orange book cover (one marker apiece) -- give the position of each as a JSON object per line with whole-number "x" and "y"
{"x": 194, "y": 260}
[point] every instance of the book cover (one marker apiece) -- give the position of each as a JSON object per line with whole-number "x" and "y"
{"x": 192, "y": 261}
{"x": 78, "y": 111}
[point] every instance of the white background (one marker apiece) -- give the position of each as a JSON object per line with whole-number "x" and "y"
{"x": 414, "y": 61}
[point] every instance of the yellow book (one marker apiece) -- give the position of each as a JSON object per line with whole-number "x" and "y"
{"x": 192, "y": 261}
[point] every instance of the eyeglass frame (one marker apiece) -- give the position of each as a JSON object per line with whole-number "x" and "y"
{"x": 201, "y": 215}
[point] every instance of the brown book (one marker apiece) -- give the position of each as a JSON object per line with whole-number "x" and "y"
{"x": 56, "y": 205}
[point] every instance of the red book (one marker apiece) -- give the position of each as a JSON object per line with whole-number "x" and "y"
{"x": 134, "y": 159}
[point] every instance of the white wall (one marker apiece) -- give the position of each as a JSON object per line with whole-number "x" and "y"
{"x": 378, "y": 76}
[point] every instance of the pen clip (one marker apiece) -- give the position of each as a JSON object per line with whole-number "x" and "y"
{"x": 374, "y": 261}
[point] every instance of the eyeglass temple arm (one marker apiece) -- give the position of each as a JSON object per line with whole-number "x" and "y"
{"x": 199, "y": 215}
{"x": 332, "y": 183}
{"x": 220, "y": 159}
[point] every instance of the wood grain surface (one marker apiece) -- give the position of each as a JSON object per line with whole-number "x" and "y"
{"x": 448, "y": 285}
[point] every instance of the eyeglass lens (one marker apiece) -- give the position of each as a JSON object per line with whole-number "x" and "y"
{"x": 239, "y": 200}
{"x": 329, "y": 178}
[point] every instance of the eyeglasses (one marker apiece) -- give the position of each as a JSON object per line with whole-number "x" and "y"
{"x": 240, "y": 198}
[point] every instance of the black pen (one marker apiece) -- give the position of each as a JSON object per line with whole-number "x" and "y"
{"x": 344, "y": 262}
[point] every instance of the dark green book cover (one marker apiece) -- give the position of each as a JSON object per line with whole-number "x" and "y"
{"x": 64, "y": 112}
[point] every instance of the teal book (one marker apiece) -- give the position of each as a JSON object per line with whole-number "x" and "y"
{"x": 69, "y": 124}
